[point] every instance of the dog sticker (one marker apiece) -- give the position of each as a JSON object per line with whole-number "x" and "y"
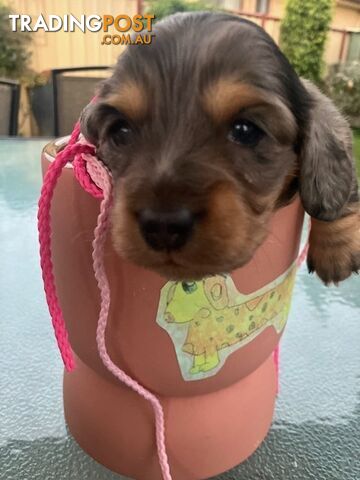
{"x": 209, "y": 319}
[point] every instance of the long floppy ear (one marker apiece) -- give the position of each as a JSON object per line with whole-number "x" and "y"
{"x": 89, "y": 122}
{"x": 94, "y": 120}
{"x": 327, "y": 168}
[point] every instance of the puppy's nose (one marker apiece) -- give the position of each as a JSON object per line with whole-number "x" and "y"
{"x": 166, "y": 230}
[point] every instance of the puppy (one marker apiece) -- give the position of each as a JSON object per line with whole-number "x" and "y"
{"x": 207, "y": 131}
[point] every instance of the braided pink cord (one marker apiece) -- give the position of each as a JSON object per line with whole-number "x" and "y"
{"x": 95, "y": 179}
{"x": 44, "y": 226}
{"x": 86, "y": 181}
{"x": 301, "y": 258}
{"x": 100, "y": 275}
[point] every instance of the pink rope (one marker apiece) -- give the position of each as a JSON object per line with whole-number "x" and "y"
{"x": 85, "y": 180}
{"x": 302, "y": 256}
{"x": 44, "y": 226}
{"x": 100, "y": 274}
{"x": 98, "y": 184}
{"x": 276, "y": 357}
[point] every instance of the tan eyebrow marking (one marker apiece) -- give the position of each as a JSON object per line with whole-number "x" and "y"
{"x": 223, "y": 98}
{"x": 131, "y": 100}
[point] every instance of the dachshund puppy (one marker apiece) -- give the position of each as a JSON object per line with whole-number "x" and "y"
{"x": 207, "y": 131}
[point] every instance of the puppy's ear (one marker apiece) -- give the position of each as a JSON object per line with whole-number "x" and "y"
{"x": 327, "y": 169}
{"x": 94, "y": 120}
{"x": 89, "y": 123}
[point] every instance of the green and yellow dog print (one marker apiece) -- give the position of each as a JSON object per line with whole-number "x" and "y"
{"x": 209, "y": 319}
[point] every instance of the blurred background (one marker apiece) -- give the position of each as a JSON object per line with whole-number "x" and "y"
{"x": 48, "y": 77}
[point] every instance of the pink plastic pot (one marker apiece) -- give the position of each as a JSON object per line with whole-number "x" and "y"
{"x": 216, "y": 412}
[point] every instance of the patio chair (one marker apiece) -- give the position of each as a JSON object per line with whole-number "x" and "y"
{"x": 9, "y": 106}
{"x": 73, "y": 88}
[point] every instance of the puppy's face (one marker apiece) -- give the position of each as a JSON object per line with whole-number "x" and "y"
{"x": 201, "y": 130}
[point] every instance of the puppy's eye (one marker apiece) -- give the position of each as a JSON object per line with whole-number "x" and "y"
{"x": 245, "y": 133}
{"x": 120, "y": 132}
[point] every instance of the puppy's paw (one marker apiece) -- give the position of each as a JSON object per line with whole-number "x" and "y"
{"x": 333, "y": 264}
{"x": 334, "y": 248}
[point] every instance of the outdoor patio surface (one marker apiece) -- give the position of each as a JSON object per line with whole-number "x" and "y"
{"x": 315, "y": 433}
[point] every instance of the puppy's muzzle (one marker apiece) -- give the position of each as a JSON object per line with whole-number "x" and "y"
{"x": 166, "y": 230}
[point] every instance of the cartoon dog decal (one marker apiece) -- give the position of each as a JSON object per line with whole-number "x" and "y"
{"x": 209, "y": 319}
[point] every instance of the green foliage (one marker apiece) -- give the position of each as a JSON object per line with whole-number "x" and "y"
{"x": 14, "y": 55}
{"x": 342, "y": 84}
{"x": 163, "y": 8}
{"x": 303, "y": 34}
{"x": 357, "y": 150}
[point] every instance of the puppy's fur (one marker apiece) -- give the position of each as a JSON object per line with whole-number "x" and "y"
{"x": 178, "y": 99}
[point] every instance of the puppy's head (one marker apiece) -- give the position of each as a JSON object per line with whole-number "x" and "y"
{"x": 205, "y": 132}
